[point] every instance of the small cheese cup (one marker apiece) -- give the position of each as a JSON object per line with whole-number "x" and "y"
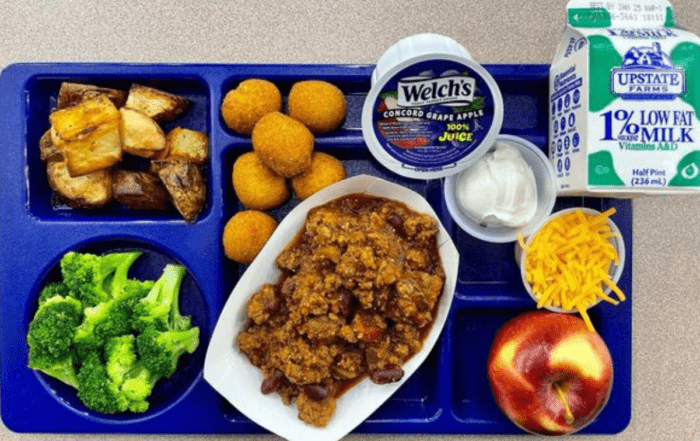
{"x": 615, "y": 270}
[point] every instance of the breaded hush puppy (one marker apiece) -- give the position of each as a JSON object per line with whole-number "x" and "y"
{"x": 243, "y": 106}
{"x": 324, "y": 171}
{"x": 256, "y": 185}
{"x": 246, "y": 233}
{"x": 320, "y": 105}
{"x": 283, "y": 144}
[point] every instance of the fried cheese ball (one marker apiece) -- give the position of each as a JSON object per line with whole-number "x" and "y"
{"x": 283, "y": 144}
{"x": 246, "y": 104}
{"x": 320, "y": 105}
{"x": 246, "y": 233}
{"x": 324, "y": 171}
{"x": 256, "y": 185}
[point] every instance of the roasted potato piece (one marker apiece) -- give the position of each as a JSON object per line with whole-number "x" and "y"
{"x": 55, "y": 140}
{"x": 140, "y": 134}
{"x": 186, "y": 145}
{"x": 185, "y": 183}
{"x": 77, "y": 120}
{"x": 88, "y": 135}
{"x": 47, "y": 149}
{"x": 157, "y": 104}
{"x": 98, "y": 149}
{"x": 139, "y": 190}
{"x": 155, "y": 165}
{"x": 71, "y": 94}
{"x": 92, "y": 190}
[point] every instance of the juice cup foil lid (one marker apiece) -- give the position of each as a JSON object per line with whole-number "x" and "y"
{"x": 432, "y": 111}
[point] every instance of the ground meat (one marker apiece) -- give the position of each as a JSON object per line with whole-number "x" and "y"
{"x": 322, "y": 328}
{"x": 262, "y": 304}
{"x": 317, "y": 413}
{"x": 359, "y": 292}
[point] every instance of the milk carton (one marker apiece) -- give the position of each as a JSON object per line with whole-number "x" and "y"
{"x": 624, "y": 93}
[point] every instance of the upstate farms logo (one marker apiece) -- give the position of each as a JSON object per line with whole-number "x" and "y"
{"x": 453, "y": 91}
{"x": 647, "y": 74}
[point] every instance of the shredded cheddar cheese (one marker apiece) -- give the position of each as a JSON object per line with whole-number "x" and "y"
{"x": 568, "y": 262}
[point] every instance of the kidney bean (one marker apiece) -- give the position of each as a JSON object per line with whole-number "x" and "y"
{"x": 316, "y": 392}
{"x": 345, "y": 304}
{"x": 388, "y": 374}
{"x": 272, "y": 384}
{"x": 395, "y": 221}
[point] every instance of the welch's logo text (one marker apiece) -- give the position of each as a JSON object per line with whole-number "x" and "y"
{"x": 647, "y": 74}
{"x": 449, "y": 90}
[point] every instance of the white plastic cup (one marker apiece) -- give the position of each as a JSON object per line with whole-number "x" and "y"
{"x": 615, "y": 270}
{"x": 545, "y": 180}
{"x": 414, "y": 46}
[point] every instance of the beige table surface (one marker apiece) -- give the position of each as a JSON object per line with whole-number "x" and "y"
{"x": 666, "y": 305}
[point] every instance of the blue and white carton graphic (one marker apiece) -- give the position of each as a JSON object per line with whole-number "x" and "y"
{"x": 624, "y": 101}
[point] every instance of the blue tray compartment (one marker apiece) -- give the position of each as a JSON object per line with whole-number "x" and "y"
{"x": 450, "y": 391}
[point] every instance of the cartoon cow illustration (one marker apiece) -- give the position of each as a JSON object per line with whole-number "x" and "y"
{"x": 649, "y": 57}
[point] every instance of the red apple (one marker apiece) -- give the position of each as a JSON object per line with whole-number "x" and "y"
{"x": 549, "y": 374}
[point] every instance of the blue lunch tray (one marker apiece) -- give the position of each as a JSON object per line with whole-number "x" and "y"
{"x": 450, "y": 392}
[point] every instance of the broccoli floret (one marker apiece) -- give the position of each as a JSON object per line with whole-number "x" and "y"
{"x": 160, "y": 308}
{"x": 111, "y": 318}
{"x": 52, "y": 290}
{"x": 137, "y": 387}
{"x": 94, "y": 279}
{"x": 97, "y": 390}
{"x": 50, "y": 337}
{"x": 160, "y": 351}
{"x": 177, "y": 321}
{"x": 120, "y": 353}
{"x": 134, "y": 381}
{"x": 101, "y": 323}
{"x": 62, "y": 369}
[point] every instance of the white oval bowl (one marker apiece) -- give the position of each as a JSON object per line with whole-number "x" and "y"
{"x": 236, "y": 379}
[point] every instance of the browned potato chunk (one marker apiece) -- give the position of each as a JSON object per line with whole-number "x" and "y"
{"x": 71, "y": 94}
{"x": 75, "y": 121}
{"x": 155, "y": 165}
{"x": 98, "y": 149}
{"x": 92, "y": 190}
{"x": 139, "y": 190}
{"x": 47, "y": 149}
{"x": 186, "y": 145}
{"x": 140, "y": 134}
{"x": 88, "y": 135}
{"x": 185, "y": 183}
{"x": 157, "y": 104}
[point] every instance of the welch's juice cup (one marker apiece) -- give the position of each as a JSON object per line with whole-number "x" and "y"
{"x": 432, "y": 110}
{"x": 624, "y": 96}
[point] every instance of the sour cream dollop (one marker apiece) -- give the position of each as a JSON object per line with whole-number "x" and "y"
{"x": 499, "y": 189}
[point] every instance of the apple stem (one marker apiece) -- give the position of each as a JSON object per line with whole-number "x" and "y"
{"x": 567, "y": 410}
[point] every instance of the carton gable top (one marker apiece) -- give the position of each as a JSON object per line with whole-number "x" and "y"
{"x": 586, "y": 14}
